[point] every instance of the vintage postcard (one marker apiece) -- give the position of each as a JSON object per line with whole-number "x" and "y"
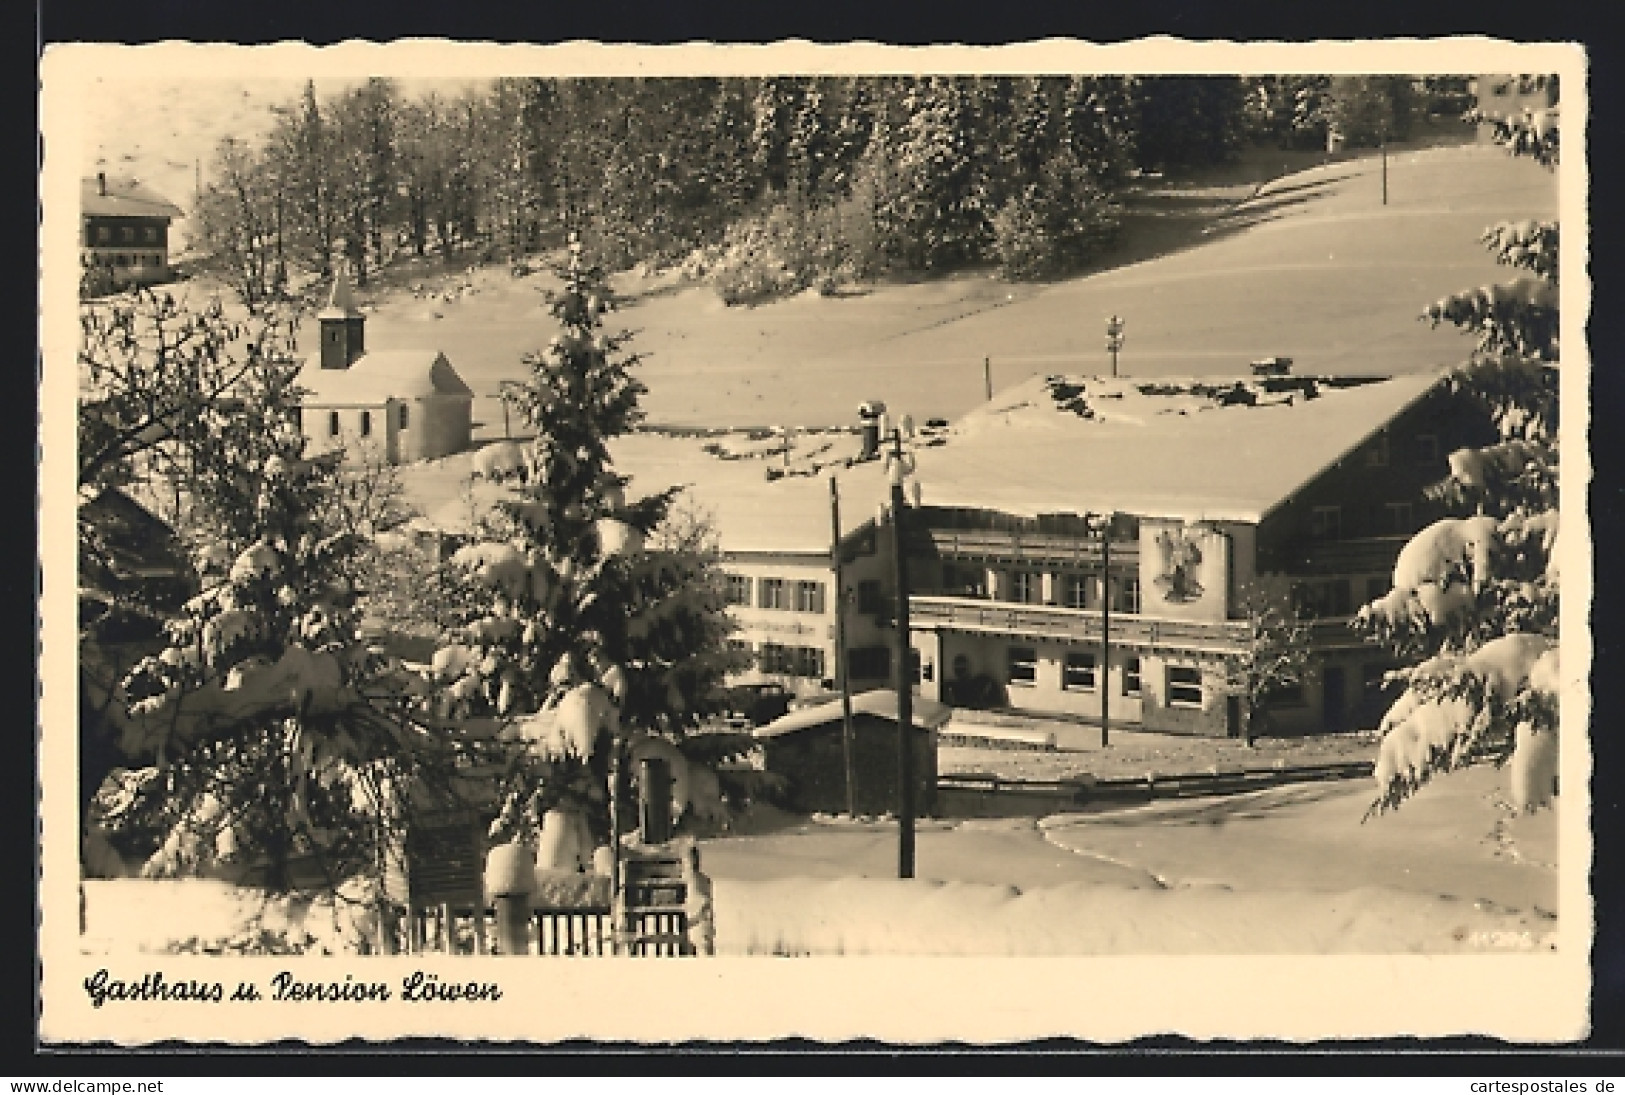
{"x": 696, "y": 543}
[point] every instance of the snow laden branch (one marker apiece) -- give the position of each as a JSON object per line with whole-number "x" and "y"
{"x": 1475, "y": 598}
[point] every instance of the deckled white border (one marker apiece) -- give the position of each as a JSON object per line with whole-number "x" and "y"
{"x": 1518, "y": 997}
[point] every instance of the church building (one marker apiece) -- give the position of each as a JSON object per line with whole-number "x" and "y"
{"x": 403, "y": 405}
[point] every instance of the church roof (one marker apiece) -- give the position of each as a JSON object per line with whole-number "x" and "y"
{"x": 382, "y": 375}
{"x": 340, "y": 301}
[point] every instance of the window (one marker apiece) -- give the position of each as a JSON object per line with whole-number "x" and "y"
{"x": 1131, "y": 676}
{"x": 151, "y": 234}
{"x": 299, "y": 418}
{"x": 1427, "y": 448}
{"x": 774, "y": 594}
{"x": 810, "y": 597}
{"x": 1075, "y": 590}
{"x": 1025, "y": 587}
{"x": 1079, "y": 671}
{"x": 104, "y": 234}
{"x": 1397, "y": 517}
{"x": 807, "y": 661}
{"x": 869, "y": 663}
{"x": 332, "y": 423}
{"x": 1023, "y": 665}
{"x": 869, "y": 599}
{"x": 1377, "y": 455}
{"x": 738, "y": 592}
{"x": 405, "y": 417}
{"x": 738, "y": 647}
{"x": 1184, "y": 686}
{"x": 773, "y": 658}
{"x": 1326, "y": 522}
{"x": 127, "y": 234}
{"x": 1128, "y": 596}
{"x": 366, "y": 423}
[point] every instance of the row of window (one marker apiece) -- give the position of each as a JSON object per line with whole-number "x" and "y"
{"x": 1424, "y": 450}
{"x": 1388, "y": 519}
{"x": 138, "y": 261}
{"x": 1027, "y": 587}
{"x": 402, "y": 417}
{"x": 126, "y": 234}
{"x": 1334, "y": 596}
{"x": 864, "y": 663}
{"x": 1080, "y": 672}
{"x": 777, "y": 593}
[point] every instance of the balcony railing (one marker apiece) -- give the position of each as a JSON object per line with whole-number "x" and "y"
{"x": 1000, "y": 617}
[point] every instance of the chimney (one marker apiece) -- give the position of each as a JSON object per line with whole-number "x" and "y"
{"x": 343, "y": 326}
{"x": 101, "y": 183}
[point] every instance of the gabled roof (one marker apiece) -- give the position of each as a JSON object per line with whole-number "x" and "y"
{"x": 927, "y": 714}
{"x": 381, "y": 375}
{"x": 1204, "y": 448}
{"x": 124, "y": 198}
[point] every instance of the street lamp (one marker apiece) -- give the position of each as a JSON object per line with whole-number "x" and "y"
{"x": 1101, "y": 524}
{"x": 1115, "y": 338}
{"x": 899, "y": 466}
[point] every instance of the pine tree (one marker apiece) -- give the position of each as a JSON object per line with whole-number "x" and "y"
{"x": 581, "y": 637}
{"x": 1475, "y": 598}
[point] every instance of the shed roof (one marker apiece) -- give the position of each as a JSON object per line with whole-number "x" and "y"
{"x": 1201, "y": 448}
{"x": 125, "y": 197}
{"x": 381, "y": 375}
{"x": 928, "y": 714}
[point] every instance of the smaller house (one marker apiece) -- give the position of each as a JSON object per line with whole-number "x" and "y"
{"x": 404, "y": 405}
{"x": 806, "y": 748}
{"x": 126, "y": 229}
{"x": 1505, "y": 96}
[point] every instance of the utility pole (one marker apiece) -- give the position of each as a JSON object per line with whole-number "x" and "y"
{"x": 987, "y": 376}
{"x": 905, "y": 686}
{"x": 1115, "y": 338}
{"x": 841, "y": 674}
{"x": 1384, "y": 143}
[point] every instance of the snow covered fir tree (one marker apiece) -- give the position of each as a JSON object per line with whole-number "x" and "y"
{"x": 582, "y": 644}
{"x": 1475, "y": 597}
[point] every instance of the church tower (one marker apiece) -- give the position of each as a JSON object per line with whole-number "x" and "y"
{"x": 343, "y": 326}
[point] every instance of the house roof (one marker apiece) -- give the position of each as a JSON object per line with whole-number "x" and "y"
{"x": 134, "y": 544}
{"x": 927, "y": 714}
{"x": 1202, "y": 448}
{"x": 750, "y": 512}
{"x": 380, "y": 375}
{"x": 124, "y": 198}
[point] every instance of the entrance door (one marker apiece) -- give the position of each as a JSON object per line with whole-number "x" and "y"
{"x": 1232, "y": 716}
{"x": 1334, "y": 693}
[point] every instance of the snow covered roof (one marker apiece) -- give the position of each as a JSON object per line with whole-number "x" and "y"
{"x": 1201, "y": 448}
{"x": 750, "y": 512}
{"x": 380, "y": 375}
{"x": 881, "y": 702}
{"x": 124, "y": 198}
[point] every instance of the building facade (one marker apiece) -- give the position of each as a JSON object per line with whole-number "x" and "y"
{"x": 1504, "y": 96}
{"x": 399, "y": 405}
{"x": 1009, "y": 605}
{"x": 784, "y": 604}
{"x": 125, "y": 229}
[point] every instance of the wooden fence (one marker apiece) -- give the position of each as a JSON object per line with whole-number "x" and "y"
{"x": 586, "y": 931}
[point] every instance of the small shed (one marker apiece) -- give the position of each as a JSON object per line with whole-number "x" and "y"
{"x": 805, "y": 747}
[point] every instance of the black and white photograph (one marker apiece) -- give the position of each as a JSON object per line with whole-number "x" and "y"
{"x": 974, "y": 544}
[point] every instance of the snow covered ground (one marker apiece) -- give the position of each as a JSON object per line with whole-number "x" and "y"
{"x": 1287, "y": 870}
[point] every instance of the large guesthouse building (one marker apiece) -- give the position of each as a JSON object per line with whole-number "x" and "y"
{"x": 1169, "y": 508}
